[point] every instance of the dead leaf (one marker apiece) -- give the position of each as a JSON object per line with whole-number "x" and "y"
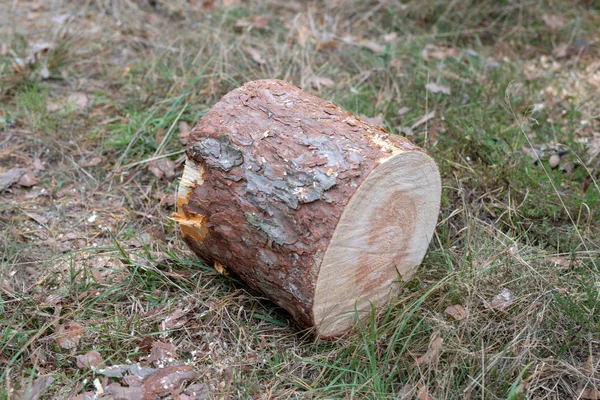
{"x": 38, "y": 165}
{"x": 456, "y": 311}
{"x": 60, "y": 19}
{"x": 554, "y": 22}
{"x": 184, "y": 127}
{"x": 28, "y": 179}
{"x": 162, "y": 353}
{"x": 35, "y": 390}
{"x": 44, "y": 72}
{"x": 91, "y": 359}
{"x": 3, "y": 50}
{"x": 433, "y": 352}
{"x": 78, "y": 99}
{"x": 184, "y": 132}
{"x": 588, "y": 366}
{"x": 220, "y": 268}
{"x": 321, "y": 81}
{"x": 565, "y": 50}
{"x": 168, "y": 199}
{"x": 502, "y": 300}
{"x": 422, "y": 120}
{"x": 390, "y": 37}
{"x": 376, "y": 120}
{"x": 196, "y": 391}
{"x": 437, "y": 88}
{"x": 438, "y": 52}
{"x": 165, "y": 380}
{"x": 256, "y": 21}
{"x": 162, "y": 168}
{"x": 423, "y": 393}
{"x": 406, "y": 392}
{"x": 40, "y": 219}
{"x": 328, "y": 45}
{"x": 173, "y": 320}
{"x": 159, "y": 135}
{"x": 590, "y": 394}
{"x": 593, "y": 146}
{"x": 255, "y": 54}
{"x": 403, "y": 111}
{"x": 490, "y": 63}
{"x": 563, "y": 262}
{"x": 116, "y": 391}
{"x": 93, "y": 162}
{"x": 371, "y": 45}
{"x": 10, "y": 177}
{"x": 69, "y": 335}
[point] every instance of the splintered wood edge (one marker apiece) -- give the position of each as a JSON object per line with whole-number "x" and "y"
{"x": 381, "y": 238}
{"x": 191, "y": 224}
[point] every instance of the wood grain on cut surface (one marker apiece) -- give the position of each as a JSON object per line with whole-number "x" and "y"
{"x": 305, "y": 202}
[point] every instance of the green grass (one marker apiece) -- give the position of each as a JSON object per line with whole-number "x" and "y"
{"x": 505, "y": 216}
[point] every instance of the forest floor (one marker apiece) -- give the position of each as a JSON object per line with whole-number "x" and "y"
{"x": 100, "y": 297}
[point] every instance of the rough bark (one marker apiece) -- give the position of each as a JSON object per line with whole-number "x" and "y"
{"x": 270, "y": 171}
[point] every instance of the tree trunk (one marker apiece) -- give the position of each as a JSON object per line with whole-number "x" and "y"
{"x": 315, "y": 208}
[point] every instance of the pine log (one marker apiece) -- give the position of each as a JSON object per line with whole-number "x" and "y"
{"x": 320, "y": 211}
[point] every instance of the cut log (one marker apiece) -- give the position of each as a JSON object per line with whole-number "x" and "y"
{"x": 320, "y": 211}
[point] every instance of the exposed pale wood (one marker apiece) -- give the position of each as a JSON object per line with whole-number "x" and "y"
{"x": 380, "y": 240}
{"x": 317, "y": 209}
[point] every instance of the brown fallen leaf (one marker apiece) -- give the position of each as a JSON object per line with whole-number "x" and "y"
{"x": 255, "y": 54}
{"x": 220, "y": 268}
{"x": 28, "y": 179}
{"x": 437, "y": 88}
{"x": 256, "y": 21}
{"x": 590, "y": 394}
{"x": 403, "y": 110}
{"x": 93, "y": 162}
{"x": 162, "y": 353}
{"x": 162, "y": 168}
{"x": 78, "y": 99}
{"x": 376, "y": 120}
{"x": 3, "y": 49}
{"x": 438, "y": 52}
{"x": 91, "y": 359}
{"x": 423, "y": 393}
{"x": 390, "y": 37}
{"x": 38, "y": 165}
{"x": 168, "y": 379}
{"x": 422, "y": 120}
{"x": 174, "y": 320}
{"x": 456, "y": 311}
{"x": 406, "y": 392}
{"x": 10, "y": 177}
{"x": 433, "y": 352}
{"x": 116, "y": 391}
{"x": 40, "y": 219}
{"x": 34, "y": 390}
{"x": 159, "y": 135}
{"x": 69, "y": 335}
{"x": 563, "y": 262}
{"x": 196, "y": 391}
{"x": 502, "y": 300}
{"x": 321, "y": 81}
{"x": 593, "y": 146}
{"x": 371, "y": 45}
{"x": 588, "y": 366}
{"x": 328, "y": 45}
{"x": 184, "y": 132}
{"x": 554, "y": 22}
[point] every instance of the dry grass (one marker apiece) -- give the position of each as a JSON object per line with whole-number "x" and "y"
{"x": 93, "y": 243}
